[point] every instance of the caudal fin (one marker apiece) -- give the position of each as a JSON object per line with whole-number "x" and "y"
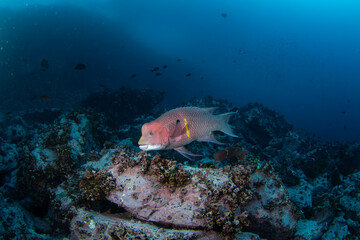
{"x": 224, "y": 125}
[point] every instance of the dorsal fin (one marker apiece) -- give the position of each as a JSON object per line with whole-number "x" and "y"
{"x": 210, "y": 110}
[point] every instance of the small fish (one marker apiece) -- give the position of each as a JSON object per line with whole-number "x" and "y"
{"x": 80, "y": 66}
{"x": 241, "y": 51}
{"x": 164, "y": 67}
{"x": 181, "y": 126}
{"x": 343, "y": 112}
{"x": 45, "y": 98}
{"x": 101, "y": 85}
{"x": 155, "y": 69}
{"x": 179, "y": 60}
{"x": 224, "y": 15}
{"x": 44, "y": 64}
{"x": 133, "y": 76}
{"x": 188, "y": 75}
{"x": 157, "y": 74}
{"x": 230, "y": 153}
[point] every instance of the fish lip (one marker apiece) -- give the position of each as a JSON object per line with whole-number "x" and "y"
{"x": 148, "y": 147}
{"x": 143, "y": 147}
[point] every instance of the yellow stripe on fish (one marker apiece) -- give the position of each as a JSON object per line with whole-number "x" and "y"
{"x": 187, "y": 129}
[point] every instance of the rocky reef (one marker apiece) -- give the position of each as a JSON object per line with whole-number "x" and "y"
{"x": 72, "y": 175}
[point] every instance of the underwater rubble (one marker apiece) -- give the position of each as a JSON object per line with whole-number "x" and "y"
{"x": 72, "y": 175}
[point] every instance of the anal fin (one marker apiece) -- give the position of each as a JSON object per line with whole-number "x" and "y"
{"x": 210, "y": 138}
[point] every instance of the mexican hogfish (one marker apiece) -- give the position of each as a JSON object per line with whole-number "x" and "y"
{"x": 178, "y": 127}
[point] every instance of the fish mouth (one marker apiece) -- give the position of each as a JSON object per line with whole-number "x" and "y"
{"x": 147, "y": 147}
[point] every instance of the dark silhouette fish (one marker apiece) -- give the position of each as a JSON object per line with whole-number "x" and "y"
{"x": 155, "y": 69}
{"x": 44, "y": 64}
{"x": 158, "y": 74}
{"x": 80, "y": 66}
{"x": 188, "y": 75}
{"x": 45, "y": 98}
{"x": 224, "y": 15}
{"x": 133, "y": 76}
{"x": 165, "y": 66}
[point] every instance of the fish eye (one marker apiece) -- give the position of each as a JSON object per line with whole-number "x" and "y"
{"x": 151, "y": 133}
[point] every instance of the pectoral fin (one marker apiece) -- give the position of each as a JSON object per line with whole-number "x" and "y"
{"x": 179, "y": 130}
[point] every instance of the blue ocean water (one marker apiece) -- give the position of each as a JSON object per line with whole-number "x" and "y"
{"x": 300, "y": 58}
{"x": 80, "y": 79}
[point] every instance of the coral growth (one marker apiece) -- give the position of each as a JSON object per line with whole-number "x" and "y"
{"x": 80, "y": 178}
{"x": 168, "y": 172}
{"x": 96, "y": 185}
{"x": 214, "y": 199}
{"x": 92, "y": 225}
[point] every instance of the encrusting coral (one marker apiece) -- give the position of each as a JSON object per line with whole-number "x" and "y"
{"x": 80, "y": 178}
{"x": 216, "y": 199}
{"x": 96, "y": 184}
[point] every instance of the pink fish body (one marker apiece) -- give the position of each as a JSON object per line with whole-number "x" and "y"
{"x": 179, "y": 127}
